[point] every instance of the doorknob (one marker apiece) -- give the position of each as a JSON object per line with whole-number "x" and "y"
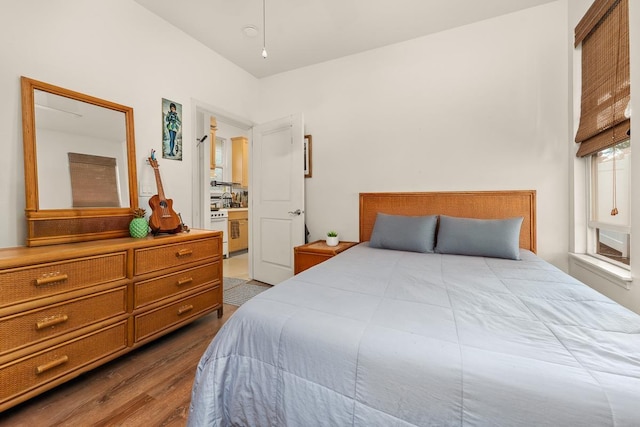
{"x": 296, "y": 212}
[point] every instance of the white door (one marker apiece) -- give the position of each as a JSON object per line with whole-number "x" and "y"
{"x": 277, "y": 196}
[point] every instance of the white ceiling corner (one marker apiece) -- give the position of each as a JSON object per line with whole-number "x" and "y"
{"x": 306, "y": 32}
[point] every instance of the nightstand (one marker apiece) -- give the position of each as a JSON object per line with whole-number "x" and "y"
{"x": 306, "y": 256}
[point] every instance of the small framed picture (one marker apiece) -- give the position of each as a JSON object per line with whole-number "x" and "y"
{"x": 171, "y": 130}
{"x": 307, "y": 156}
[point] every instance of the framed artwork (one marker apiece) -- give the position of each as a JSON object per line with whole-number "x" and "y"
{"x": 171, "y": 130}
{"x": 307, "y": 156}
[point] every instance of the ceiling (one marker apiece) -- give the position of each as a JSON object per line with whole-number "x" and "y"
{"x": 306, "y": 32}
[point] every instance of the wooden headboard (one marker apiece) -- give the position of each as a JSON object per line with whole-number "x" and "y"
{"x": 474, "y": 204}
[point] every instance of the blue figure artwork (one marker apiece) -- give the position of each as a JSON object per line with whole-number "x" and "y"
{"x": 172, "y": 130}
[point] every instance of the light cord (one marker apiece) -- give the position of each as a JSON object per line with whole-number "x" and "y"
{"x": 264, "y": 30}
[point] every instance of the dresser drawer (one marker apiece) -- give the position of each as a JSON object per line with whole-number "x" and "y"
{"x": 154, "y": 321}
{"x": 148, "y": 260}
{"x": 43, "y": 280}
{"x": 30, "y": 327}
{"x": 26, "y": 374}
{"x": 155, "y": 289}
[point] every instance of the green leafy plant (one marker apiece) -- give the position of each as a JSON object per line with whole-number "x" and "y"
{"x": 139, "y": 213}
{"x": 332, "y": 234}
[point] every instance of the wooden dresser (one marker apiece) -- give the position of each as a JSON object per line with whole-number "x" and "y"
{"x": 66, "y": 309}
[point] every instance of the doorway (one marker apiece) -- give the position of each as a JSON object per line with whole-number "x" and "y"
{"x": 275, "y": 217}
{"x": 217, "y": 191}
{"x": 237, "y": 266}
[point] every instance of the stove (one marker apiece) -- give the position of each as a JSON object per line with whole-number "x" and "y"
{"x": 220, "y": 222}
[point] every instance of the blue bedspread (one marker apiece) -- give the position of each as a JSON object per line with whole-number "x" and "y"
{"x": 374, "y": 337}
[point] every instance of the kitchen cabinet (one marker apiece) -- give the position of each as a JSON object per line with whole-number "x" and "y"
{"x": 238, "y": 230}
{"x": 240, "y": 161}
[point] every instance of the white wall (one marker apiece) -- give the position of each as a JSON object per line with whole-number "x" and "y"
{"x": 118, "y": 51}
{"x": 480, "y": 107}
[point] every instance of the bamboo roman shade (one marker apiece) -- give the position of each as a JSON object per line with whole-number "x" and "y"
{"x": 94, "y": 181}
{"x": 604, "y": 34}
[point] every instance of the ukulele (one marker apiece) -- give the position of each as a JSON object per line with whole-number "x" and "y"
{"x": 163, "y": 218}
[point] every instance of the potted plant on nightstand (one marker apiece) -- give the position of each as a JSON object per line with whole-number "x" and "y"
{"x": 332, "y": 238}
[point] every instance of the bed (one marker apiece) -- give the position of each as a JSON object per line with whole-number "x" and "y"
{"x": 383, "y": 336}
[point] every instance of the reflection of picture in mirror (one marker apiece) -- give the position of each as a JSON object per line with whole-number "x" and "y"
{"x": 171, "y": 130}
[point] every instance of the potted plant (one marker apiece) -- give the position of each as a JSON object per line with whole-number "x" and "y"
{"x": 138, "y": 227}
{"x": 332, "y": 238}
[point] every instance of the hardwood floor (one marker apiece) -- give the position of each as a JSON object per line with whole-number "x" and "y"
{"x": 150, "y": 386}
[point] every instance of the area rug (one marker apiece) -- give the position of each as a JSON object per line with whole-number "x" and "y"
{"x": 238, "y": 291}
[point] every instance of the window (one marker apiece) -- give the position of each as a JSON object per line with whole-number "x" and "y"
{"x": 609, "y": 224}
{"x": 604, "y": 129}
{"x": 220, "y": 156}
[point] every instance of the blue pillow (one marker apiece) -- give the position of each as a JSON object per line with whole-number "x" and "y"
{"x": 404, "y": 233}
{"x": 496, "y": 238}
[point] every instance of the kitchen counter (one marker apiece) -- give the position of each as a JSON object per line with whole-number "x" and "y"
{"x": 230, "y": 209}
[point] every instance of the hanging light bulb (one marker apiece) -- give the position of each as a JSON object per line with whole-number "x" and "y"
{"x": 264, "y": 31}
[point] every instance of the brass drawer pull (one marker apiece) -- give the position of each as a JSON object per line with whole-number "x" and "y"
{"x": 51, "y": 279}
{"x": 185, "y": 281}
{"x": 51, "y": 321}
{"x": 54, "y": 363}
{"x": 185, "y": 309}
{"x": 184, "y": 252}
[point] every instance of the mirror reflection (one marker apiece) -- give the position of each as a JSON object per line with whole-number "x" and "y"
{"x": 81, "y": 154}
{"x": 79, "y": 165}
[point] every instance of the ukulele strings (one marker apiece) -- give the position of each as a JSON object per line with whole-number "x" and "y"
{"x": 163, "y": 202}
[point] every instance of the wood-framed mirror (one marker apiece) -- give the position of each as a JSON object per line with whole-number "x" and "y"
{"x": 79, "y": 165}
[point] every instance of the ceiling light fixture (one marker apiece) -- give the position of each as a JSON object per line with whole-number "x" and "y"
{"x": 264, "y": 31}
{"x": 250, "y": 31}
